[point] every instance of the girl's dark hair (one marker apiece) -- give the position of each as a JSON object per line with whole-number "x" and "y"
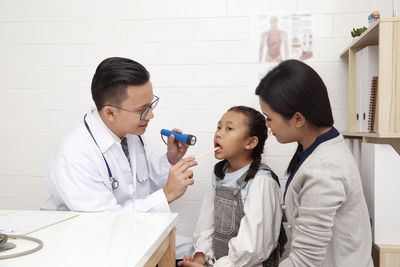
{"x": 292, "y": 87}
{"x": 112, "y": 77}
{"x": 256, "y": 127}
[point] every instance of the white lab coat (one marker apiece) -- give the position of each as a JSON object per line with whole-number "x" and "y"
{"x": 78, "y": 177}
{"x": 79, "y": 181}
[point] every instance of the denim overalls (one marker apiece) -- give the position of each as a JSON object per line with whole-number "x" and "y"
{"x": 228, "y": 212}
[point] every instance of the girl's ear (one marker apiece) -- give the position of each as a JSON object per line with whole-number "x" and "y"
{"x": 252, "y": 143}
{"x": 299, "y": 119}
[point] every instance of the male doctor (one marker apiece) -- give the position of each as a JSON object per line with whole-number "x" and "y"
{"x": 105, "y": 164}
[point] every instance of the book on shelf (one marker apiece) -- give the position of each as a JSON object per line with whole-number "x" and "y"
{"x": 372, "y": 105}
{"x": 366, "y": 67}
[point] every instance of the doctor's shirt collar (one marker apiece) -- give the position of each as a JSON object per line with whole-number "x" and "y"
{"x": 115, "y": 137}
{"x": 104, "y": 136}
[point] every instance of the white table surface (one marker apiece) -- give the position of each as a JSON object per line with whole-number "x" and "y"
{"x": 97, "y": 239}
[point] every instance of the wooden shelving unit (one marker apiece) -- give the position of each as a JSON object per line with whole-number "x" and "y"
{"x": 386, "y": 34}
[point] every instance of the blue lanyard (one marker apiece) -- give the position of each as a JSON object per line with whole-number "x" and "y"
{"x": 113, "y": 180}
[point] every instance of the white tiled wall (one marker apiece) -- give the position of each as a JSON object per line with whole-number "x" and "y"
{"x": 198, "y": 56}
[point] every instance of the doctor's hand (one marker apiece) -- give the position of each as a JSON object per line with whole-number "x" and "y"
{"x": 179, "y": 178}
{"x": 176, "y": 149}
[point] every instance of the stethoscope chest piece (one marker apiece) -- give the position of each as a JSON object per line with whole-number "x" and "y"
{"x": 114, "y": 183}
{"x": 140, "y": 180}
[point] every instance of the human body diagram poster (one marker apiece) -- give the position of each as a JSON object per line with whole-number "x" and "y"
{"x": 277, "y": 37}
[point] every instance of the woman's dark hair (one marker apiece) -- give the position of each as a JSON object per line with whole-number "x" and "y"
{"x": 256, "y": 127}
{"x": 292, "y": 87}
{"x": 113, "y": 76}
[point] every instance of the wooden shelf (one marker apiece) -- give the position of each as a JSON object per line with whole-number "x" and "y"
{"x": 386, "y": 34}
{"x": 369, "y": 135}
{"x": 369, "y": 37}
{"x": 393, "y": 140}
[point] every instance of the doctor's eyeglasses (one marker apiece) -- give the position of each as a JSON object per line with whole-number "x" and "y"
{"x": 143, "y": 113}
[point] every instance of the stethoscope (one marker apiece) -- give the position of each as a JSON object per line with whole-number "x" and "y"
{"x": 113, "y": 181}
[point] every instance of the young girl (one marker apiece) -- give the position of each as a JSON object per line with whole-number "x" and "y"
{"x": 325, "y": 204}
{"x": 240, "y": 219}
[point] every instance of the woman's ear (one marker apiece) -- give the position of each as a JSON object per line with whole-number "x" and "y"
{"x": 299, "y": 119}
{"x": 252, "y": 143}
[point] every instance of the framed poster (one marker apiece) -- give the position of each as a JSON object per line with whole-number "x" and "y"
{"x": 277, "y": 37}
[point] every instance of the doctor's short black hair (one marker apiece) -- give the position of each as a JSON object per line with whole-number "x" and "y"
{"x": 112, "y": 77}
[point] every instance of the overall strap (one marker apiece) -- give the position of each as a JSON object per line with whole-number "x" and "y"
{"x": 262, "y": 167}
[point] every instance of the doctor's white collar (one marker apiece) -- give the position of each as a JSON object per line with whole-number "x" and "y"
{"x": 104, "y": 136}
{"x": 97, "y": 116}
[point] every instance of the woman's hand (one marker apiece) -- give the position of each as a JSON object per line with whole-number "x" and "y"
{"x": 176, "y": 149}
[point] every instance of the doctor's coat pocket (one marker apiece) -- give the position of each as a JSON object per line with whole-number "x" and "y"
{"x": 224, "y": 217}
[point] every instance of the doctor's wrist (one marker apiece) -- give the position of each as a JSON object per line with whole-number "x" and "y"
{"x": 168, "y": 195}
{"x": 172, "y": 158}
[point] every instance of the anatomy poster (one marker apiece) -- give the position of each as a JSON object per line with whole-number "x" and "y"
{"x": 277, "y": 37}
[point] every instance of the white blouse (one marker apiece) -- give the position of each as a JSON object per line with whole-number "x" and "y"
{"x": 259, "y": 228}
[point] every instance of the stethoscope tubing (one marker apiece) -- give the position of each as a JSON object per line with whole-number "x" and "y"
{"x": 114, "y": 182}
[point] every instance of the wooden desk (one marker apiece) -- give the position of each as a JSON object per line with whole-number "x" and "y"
{"x": 103, "y": 239}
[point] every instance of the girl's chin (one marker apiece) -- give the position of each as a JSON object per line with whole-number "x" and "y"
{"x": 218, "y": 156}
